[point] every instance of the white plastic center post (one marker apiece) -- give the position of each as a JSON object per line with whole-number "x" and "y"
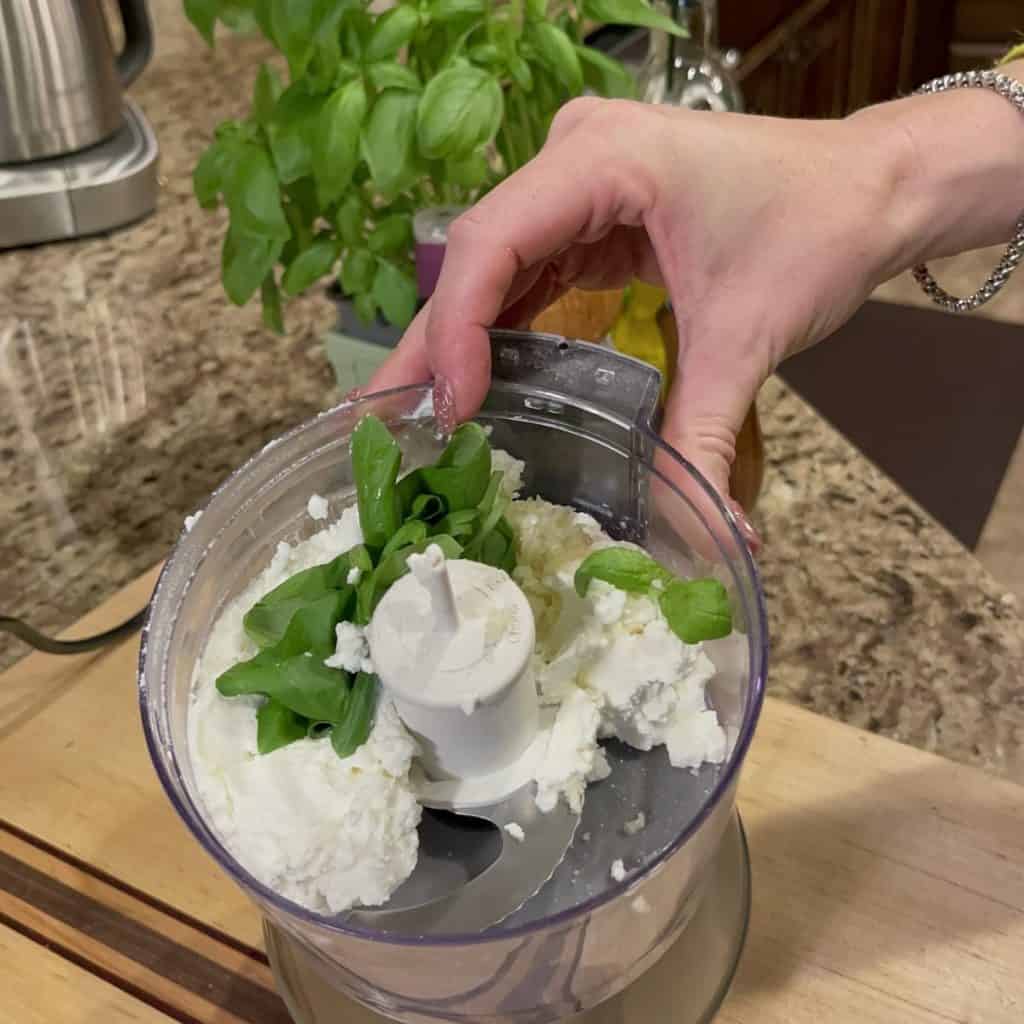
{"x": 451, "y": 644}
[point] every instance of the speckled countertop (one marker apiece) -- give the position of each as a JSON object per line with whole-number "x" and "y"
{"x": 129, "y": 388}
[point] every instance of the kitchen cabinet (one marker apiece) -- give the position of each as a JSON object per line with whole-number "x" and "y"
{"x": 825, "y": 58}
{"x": 983, "y": 30}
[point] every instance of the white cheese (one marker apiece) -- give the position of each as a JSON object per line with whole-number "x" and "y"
{"x": 515, "y": 830}
{"x": 317, "y": 507}
{"x": 618, "y": 870}
{"x": 635, "y": 825}
{"x": 355, "y": 574}
{"x": 191, "y": 521}
{"x": 351, "y": 651}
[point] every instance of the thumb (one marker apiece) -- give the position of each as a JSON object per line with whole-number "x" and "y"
{"x": 716, "y": 382}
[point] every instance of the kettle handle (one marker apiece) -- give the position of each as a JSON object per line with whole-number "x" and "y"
{"x": 138, "y": 40}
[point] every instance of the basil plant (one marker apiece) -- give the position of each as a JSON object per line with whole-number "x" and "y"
{"x": 429, "y": 102}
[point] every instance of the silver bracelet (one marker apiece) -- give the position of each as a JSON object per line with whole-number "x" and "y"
{"x": 1012, "y": 90}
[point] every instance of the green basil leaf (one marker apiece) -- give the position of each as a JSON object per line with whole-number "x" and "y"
{"x": 389, "y": 75}
{"x": 266, "y": 92}
{"x": 391, "y": 31}
{"x": 349, "y": 735}
{"x": 508, "y": 561}
{"x": 376, "y": 459}
{"x": 630, "y": 12}
{"x": 311, "y": 627}
{"x": 604, "y": 75}
{"x": 469, "y": 173}
{"x": 277, "y": 726}
{"x": 203, "y": 15}
{"x": 409, "y": 487}
{"x": 366, "y": 307}
{"x": 245, "y": 263}
{"x": 302, "y": 683}
{"x": 626, "y": 568}
{"x": 494, "y": 550}
{"x": 460, "y": 111}
{"x": 355, "y": 32}
{"x": 326, "y": 64}
{"x": 336, "y": 149}
{"x": 393, "y": 234}
{"x": 491, "y": 509}
{"x": 461, "y": 525}
{"x": 212, "y": 170}
{"x": 270, "y": 298}
{"x": 449, "y": 10}
{"x": 556, "y": 51}
{"x": 697, "y": 610}
{"x": 463, "y": 471}
{"x": 357, "y": 271}
{"x": 349, "y": 220}
{"x": 536, "y": 10}
{"x": 485, "y": 53}
{"x": 293, "y": 130}
{"x": 411, "y": 532}
{"x": 396, "y": 292}
{"x": 520, "y": 72}
{"x": 310, "y": 265}
{"x": 266, "y": 622}
{"x": 389, "y": 140}
{"x": 428, "y": 507}
{"x": 253, "y": 195}
{"x": 294, "y": 24}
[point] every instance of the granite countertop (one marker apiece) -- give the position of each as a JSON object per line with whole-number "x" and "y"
{"x": 129, "y": 388}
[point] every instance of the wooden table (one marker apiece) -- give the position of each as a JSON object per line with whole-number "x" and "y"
{"x": 888, "y": 883}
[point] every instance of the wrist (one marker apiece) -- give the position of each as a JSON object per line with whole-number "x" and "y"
{"x": 951, "y": 171}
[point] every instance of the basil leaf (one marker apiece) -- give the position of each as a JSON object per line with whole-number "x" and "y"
{"x": 393, "y": 234}
{"x": 396, "y": 292}
{"x": 520, "y": 72}
{"x": 266, "y": 92}
{"x": 210, "y": 173}
{"x": 461, "y": 525}
{"x": 626, "y": 568}
{"x": 463, "y": 471}
{"x": 277, "y": 726}
{"x": 349, "y": 735}
{"x": 494, "y": 550}
{"x": 388, "y": 140}
{"x": 292, "y": 132}
{"x": 536, "y": 10}
{"x": 310, "y": 265}
{"x": 630, "y": 12}
{"x": 491, "y": 509}
{"x": 697, "y": 610}
{"x": 245, "y": 263}
{"x": 329, "y": 66}
{"x": 472, "y": 172}
{"x": 555, "y": 50}
{"x": 336, "y": 150}
{"x": 428, "y": 507}
{"x": 270, "y": 298}
{"x": 391, "y": 31}
{"x": 266, "y": 622}
{"x": 411, "y": 532}
{"x": 357, "y": 271}
{"x": 376, "y": 459}
{"x": 253, "y": 195}
{"x": 366, "y": 308}
{"x": 460, "y": 111}
{"x": 485, "y": 53}
{"x": 203, "y": 15}
{"x": 311, "y": 627}
{"x": 294, "y": 25}
{"x": 508, "y": 560}
{"x": 389, "y": 75}
{"x": 409, "y": 487}
{"x": 349, "y": 219}
{"x": 604, "y": 75}
{"x": 302, "y": 683}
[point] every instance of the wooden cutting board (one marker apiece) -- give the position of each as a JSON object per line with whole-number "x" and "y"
{"x": 888, "y": 883}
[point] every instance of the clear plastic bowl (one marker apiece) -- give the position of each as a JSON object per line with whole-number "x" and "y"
{"x": 599, "y": 456}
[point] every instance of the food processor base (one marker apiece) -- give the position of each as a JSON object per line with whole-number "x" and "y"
{"x": 692, "y": 978}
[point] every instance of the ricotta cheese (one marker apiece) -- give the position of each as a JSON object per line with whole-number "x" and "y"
{"x": 317, "y": 507}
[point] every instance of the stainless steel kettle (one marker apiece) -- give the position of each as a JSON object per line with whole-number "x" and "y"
{"x": 60, "y": 80}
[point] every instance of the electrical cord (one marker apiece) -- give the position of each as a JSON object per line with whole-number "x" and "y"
{"x": 41, "y": 642}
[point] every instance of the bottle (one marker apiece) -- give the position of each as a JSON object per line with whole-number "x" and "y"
{"x": 689, "y": 72}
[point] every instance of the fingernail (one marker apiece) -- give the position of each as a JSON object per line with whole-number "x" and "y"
{"x": 750, "y": 535}
{"x": 444, "y": 404}
{"x": 354, "y": 394}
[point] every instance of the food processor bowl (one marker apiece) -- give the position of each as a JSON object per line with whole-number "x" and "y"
{"x": 584, "y": 420}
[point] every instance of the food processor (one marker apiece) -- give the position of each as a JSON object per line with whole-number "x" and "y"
{"x": 657, "y": 855}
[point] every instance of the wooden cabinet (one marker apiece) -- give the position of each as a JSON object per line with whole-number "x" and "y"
{"x": 824, "y": 58}
{"x": 983, "y": 30}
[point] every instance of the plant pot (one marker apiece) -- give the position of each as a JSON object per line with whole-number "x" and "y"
{"x": 380, "y": 332}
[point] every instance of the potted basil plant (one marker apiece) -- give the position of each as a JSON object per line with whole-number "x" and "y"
{"x": 380, "y": 115}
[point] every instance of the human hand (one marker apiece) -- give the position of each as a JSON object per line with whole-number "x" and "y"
{"x": 766, "y": 233}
